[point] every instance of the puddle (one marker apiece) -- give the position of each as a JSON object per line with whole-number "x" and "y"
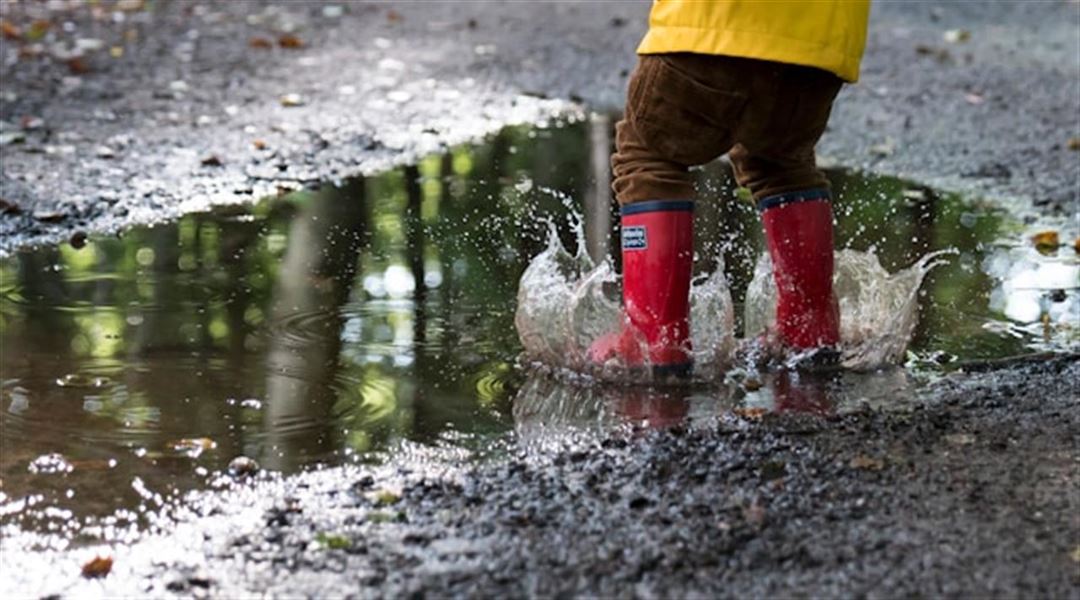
{"x": 341, "y": 324}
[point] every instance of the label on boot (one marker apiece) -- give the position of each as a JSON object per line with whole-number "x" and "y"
{"x": 634, "y": 238}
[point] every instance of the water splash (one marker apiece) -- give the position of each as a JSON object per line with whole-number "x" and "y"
{"x": 565, "y": 302}
{"x": 878, "y": 310}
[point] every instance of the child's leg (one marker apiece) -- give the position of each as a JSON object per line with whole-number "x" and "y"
{"x": 775, "y": 159}
{"x": 678, "y": 114}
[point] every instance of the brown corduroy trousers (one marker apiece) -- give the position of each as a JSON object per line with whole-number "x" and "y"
{"x": 687, "y": 109}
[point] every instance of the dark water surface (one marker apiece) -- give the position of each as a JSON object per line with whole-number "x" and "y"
{"x": 357, "y": 321}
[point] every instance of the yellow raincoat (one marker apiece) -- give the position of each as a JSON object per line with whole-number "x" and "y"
{"x": 827, "y": 34}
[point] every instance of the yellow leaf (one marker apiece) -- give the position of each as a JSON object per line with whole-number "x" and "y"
{"x": 1046, "y": 242}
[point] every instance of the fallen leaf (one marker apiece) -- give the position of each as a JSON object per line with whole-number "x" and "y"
{"x": 78, "y": 240}
{"x": 193, "y": 447}
{"x": 1076, "y": 245}
{"x": 259, "y": 144}
{"x": 130, "y": 5}
{"x": 97, "y": 567}
{"x": 116, "y": 51}
{"x": 1046, "y": 242}
{"x": 10, "y": 30}
{"x": 393, "y": 16}
{"x": 379, "y": 516}
{"x": 1074, "y": 143}
{"x": 38, "y": 29}
{"x": 292, "y": 100}
{"x": 751, "y": 413}
{"x": 752, "y": 384}
{"x": 385, "y": 497}
{"x": 941, "y": 54}
{"x": 211, "y": 161}
{"x": 290, "y": 41}
{"x": 333, "y": 541}
{"x": 867, "y": 463}
{"x": 956, "y": 36}
{"x": 260, "y": 43}
{"x": 77, "y": 65}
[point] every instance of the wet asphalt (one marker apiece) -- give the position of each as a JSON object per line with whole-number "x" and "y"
{"x": 194, "y": 110}
{"x": 973, "y": 493}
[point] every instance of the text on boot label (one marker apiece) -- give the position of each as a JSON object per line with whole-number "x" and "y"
{"x": 634, "y": 238}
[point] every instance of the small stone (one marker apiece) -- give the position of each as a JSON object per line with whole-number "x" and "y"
{"x": 49, "y": 216}
{"x": 78, "y": 240}
{"x": 104, "y": 152}
{"x": 242, "y": 466}
{"x": 884, "y": 149}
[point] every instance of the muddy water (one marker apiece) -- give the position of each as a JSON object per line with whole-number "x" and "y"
{"x": 357, "y": 321}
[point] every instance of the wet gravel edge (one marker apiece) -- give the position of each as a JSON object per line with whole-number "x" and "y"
{"x": 972, "y": 494}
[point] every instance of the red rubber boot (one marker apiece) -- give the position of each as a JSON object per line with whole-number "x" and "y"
{"x": 658, "y": 252}
{"x": 799, "y": 232}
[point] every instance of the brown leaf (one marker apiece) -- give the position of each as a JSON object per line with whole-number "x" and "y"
{"x": 10, "y": 30}
{"x": 1074, "y": 143}
{"x": 260, "y": 43}
{"x": 98, "y": 567}
{"x": 290, "y": 41}
{"x": 393, "y": 16}
{"x": 751, "y": 413}
{"x": 1076, "y": 245}
{"x": 77, "y": 65}
{"x": 38, "y": 29}
{"x": 193, "y": 447}
{"x": 752, "y": 384}
{"x": 867, "y": 463}
{"x": 259, "y": 144}
{"x": 1046, "y": 242}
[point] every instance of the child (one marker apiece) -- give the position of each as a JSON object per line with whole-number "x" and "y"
{"x": 755, "y": 80}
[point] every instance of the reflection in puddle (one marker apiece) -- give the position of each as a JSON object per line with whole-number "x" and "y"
{"x": 320, "y": 327}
